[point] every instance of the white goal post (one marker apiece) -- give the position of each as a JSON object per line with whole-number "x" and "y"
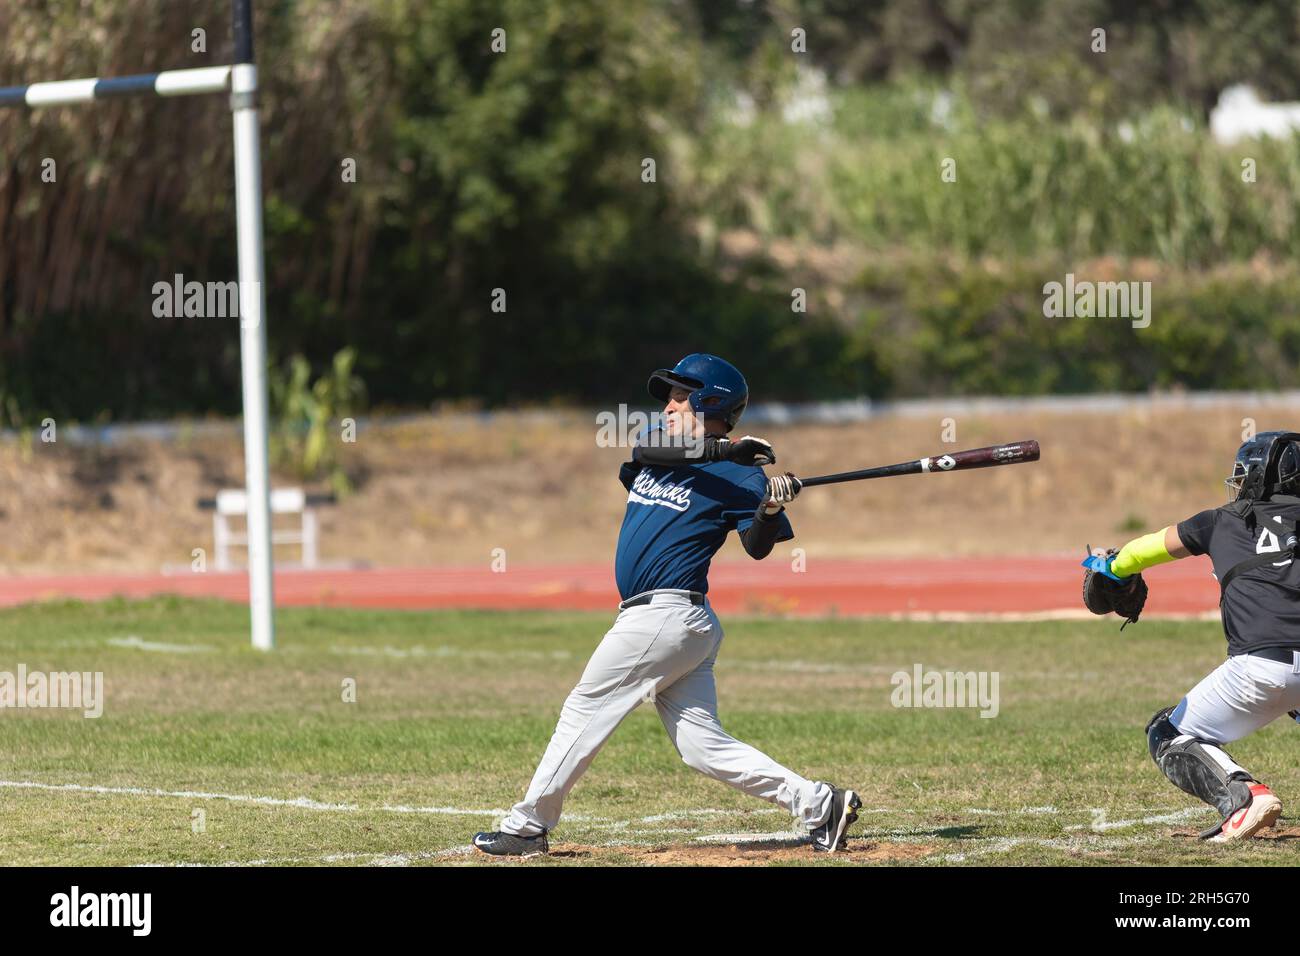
{"x": 240, "y": 80}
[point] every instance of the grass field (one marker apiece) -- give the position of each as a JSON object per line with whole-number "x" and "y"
{"x": 453, "y": 709}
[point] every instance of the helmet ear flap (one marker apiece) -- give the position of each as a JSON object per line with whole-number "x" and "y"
{"x": 1252, "y": 486}
{"x": 1288, "y": 469}
{"x": 708, "y": 402}
{"x": 736, "y": 412}
{"x": 1272, "y": 479}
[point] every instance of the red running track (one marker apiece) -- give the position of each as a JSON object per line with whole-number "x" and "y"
{"x": 1031, "y": 586}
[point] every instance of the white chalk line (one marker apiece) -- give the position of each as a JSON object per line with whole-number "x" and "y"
{"x": 705, "y": 812}
{"x": 629, "y": 833}
{"x": 298, "y": 803}
{"x": 364, "y": 859}
{"x": 774, "y": 665}
{"x": 1025, "y": 811}
{"x": 1101, "y": 824}
{"x": 446, "y": 651}
{"x": 996, "y": 845}
{"x": 980, "y": 847}
{"x": 1161, "y": 815}
{"x": 1018, "y": 617}
{"x": 790, "y": 838}
{"x": 140, "y": 644}
{"x": 306, "y": 803}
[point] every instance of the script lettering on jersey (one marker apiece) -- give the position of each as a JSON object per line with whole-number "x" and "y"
{"x": 647, "y": 491}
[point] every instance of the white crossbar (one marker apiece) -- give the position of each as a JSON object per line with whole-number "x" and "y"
{"x": 212, "y": 79}
{"x": 208, "y": 79}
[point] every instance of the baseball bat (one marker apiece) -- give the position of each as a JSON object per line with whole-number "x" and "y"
{"x": 1011, "y": 454}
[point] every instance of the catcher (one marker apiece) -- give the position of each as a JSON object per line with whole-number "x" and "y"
{"x": 1252, "y": 542}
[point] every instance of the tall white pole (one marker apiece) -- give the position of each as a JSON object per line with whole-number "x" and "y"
{"x": 252, "y": 326}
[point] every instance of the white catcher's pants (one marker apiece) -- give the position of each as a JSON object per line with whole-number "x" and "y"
{"x": 661, "y": 652}
{"x": 1238, "y": 697}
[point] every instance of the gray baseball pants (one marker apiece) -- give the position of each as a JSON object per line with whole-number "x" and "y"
{"x": 660, "y": 652}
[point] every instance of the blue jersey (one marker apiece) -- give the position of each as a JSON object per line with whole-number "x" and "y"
{"x": 678, "y": 518}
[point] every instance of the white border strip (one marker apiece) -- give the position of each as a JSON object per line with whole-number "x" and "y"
{"x": 61, "y": 91}
{"x": 208, "y": 79}
{"x": 300, "y": 803}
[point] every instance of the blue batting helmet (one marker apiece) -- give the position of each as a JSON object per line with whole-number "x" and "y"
{"x": 718, "y": 390}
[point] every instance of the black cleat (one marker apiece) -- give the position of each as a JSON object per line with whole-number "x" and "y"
{"x": 497, "y": 843}
{"x": 829, "y": 837}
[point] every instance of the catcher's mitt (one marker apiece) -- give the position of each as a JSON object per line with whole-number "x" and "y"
{"x": 1104, "y": 593}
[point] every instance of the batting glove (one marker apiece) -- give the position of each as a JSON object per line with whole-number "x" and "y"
{"x": 781, "y": 490}
{"x": 749, "y": 451}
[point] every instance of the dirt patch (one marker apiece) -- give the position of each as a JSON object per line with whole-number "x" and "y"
{"x": 756, "y": 853}
{"x": 1276, "y": 834}
{"x": 1279, "y": 834}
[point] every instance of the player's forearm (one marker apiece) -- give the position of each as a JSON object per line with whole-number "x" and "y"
{"x": 1142, "y": 553}
{"x": 742, "y": 451}
{"x": 760, "y": 537}
{"x": 712, "y": 448}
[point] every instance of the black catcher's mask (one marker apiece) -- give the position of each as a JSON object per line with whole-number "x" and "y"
{"x": 1268, "y": 464}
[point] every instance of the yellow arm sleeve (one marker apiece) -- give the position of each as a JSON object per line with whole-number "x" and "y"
{"x": 1140, "y": 554}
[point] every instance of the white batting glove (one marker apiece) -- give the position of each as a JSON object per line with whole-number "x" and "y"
{"x": 781, "y": 490}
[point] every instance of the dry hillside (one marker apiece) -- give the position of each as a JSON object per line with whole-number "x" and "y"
{"x": 449, "y": 489}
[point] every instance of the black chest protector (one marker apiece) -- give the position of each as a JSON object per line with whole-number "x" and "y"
{"x": 1260, "y": 483}
{"x": 1289, "y": 537}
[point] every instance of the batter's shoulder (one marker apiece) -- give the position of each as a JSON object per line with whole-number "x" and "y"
{"x": 627, "y": 474}
{"x": 738, "y": 474}
{"x": 752, "y": 480}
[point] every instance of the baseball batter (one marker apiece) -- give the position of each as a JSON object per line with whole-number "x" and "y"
{"x": 1252, "y": 544}
{"x": 688, "y": 486}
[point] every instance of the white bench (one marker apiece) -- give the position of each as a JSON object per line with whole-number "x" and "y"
{"x": 232, "y": 503}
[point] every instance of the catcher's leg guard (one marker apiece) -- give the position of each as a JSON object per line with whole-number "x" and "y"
{"x": 1199, "y": 767}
